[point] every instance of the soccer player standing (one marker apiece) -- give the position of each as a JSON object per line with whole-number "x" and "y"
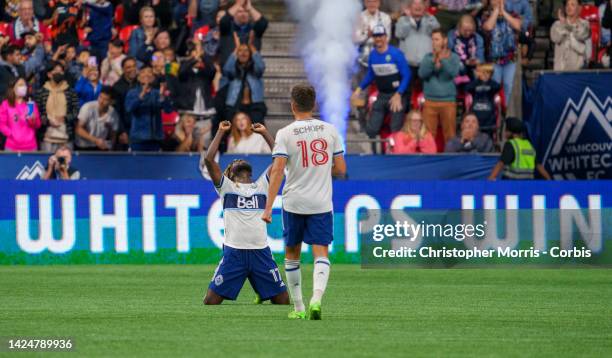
{"x": 312, "y": 152}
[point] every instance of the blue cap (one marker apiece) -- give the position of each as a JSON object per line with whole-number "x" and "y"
{"x": 379, "y": 30}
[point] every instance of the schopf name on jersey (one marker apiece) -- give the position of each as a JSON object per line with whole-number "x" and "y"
{"x": 235, "y": 201}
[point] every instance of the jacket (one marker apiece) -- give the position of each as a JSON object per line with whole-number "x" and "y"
{"x": 72, "y": 110}
{"x": 227, "y": 28}
{"x": 20, "y": 133}
{"x": 190, "y": 81}
{"x": 438, "y": 84}
{"x": 86, "y": 91}
{"x": 145, "y": 115}
{"x": 415, "y": 41}
{"x": 570, "y": 44}
{"x": 253, "y": 75}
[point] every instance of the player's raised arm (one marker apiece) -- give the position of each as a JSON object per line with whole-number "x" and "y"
{"x": 261, "y": 129}
{"x": 214, "y": 170}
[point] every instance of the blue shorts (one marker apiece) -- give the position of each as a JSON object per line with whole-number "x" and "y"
{"x": 237, "y": 265}
{"x": 313, "y": 229}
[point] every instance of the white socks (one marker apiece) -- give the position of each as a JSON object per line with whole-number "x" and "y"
{"x": 320, "y": 276}
{"x": 294, "y": 281}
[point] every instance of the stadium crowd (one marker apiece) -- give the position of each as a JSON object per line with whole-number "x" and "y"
{"x": 447, "y": 62}
{"x": 151, "y": 75}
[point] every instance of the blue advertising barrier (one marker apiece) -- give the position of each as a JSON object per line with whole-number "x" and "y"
{"x": 176, "y": 166}
{"x": 571, "y": 124}
{"x": 181, "y": 221}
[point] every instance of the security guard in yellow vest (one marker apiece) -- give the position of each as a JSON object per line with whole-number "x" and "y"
{"x": 518, "y": 159}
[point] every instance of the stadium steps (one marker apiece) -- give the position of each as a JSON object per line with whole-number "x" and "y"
{"x": 283, "y": 70}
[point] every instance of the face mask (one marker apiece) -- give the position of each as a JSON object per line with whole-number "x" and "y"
{"x": 58, "y": 77}
{"x": 21, "y": 91}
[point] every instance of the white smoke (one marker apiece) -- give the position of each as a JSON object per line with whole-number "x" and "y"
{"x": 325, "y": 43}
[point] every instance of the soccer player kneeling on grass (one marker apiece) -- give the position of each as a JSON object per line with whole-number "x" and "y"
{"x": 312, "y": 151}
{"x": 245, "y": 250}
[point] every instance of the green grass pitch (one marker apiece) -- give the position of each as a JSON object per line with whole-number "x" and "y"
{"x": 156, "y": 311}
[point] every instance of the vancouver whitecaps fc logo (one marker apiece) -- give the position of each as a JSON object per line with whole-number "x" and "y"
{"x": 581, "y": 145}
{"x": 218, "y": 280}
{"x": 30, "y": 173}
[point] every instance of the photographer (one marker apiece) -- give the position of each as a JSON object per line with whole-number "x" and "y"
{"x": 59, "y": 166}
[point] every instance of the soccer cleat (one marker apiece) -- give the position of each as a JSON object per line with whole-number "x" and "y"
{"x": 314, "y": 311}
{"x": 297, "y": 315}
{"x": 257, "y": 300}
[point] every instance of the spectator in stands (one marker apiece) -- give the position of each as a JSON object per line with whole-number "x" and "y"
{"x": 88, "y": 86}
{"x": 518, "y": 158}
{"x": 242, "y": 24}
{"x": 468, "y": 45}
{"x": 195, "y": 75}
{"x": 438, "y": 71}
{"x": 203, "y": 12}
{"x": 12, "y": 66}
{"x": 244, "y": 71}
{"x": 10, "y": 10}
{"x": 387, "y": 66}
{"x": 171, "y": 62}
{"x": 143, "y": 106}
{"x": 413, "y": 30}
{"x": 73, "y": 63}
{"x": 242, "y": 138}
{"x": 161, "y": 42}
{"x": 64, "y": 22}
{"x": 483, "y": 90}
{"x": 501, "y": 28}
{"x": 98, "y": 123}
{"x": 26, "y": 22}
{"x": 59, "y": 107}
{"x": 413, "y": 137}
{"x": 450, "y": 11}
{"x": 59, "y": 166}
{"x": 162, "y": 10}
{"x": 370, "y": 17}
{"x": 99, "y": 27}
{"x": 19, "y": 118}
{"x": 187, "y": 136}
{"x": 470, "y": 140}
{"x": 111, "y": 71}
{"x": 522, "y": 9}
{"x": 121, "y": 88}
{"x": 142, "y": 37}
{"x": 571, "y": 35}
{"x": 213, "y": 37}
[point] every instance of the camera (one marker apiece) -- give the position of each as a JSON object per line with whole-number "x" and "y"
{"x": 61, "y": 160}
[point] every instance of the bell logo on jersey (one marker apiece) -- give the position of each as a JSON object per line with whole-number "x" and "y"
{"x": 247, "y": 203}
{"x": 239, "y": 202}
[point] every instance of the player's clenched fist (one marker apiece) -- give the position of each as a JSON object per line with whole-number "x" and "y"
{"x": 267, "y": 216}
{"x": 259, "y": 128}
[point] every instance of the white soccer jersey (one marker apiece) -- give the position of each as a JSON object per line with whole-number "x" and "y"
{"x": 309, "y": 146}
{"x": 242, "y": 208}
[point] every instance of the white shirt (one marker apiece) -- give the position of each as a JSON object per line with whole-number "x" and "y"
{"x": 309, "y": 146}
{"x": 366, "y": 23}
{"x": 242, "y": 208}
{"x": 253, "y": 144}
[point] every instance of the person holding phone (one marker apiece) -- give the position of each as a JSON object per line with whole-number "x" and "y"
{"x": 19, "y": 118}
